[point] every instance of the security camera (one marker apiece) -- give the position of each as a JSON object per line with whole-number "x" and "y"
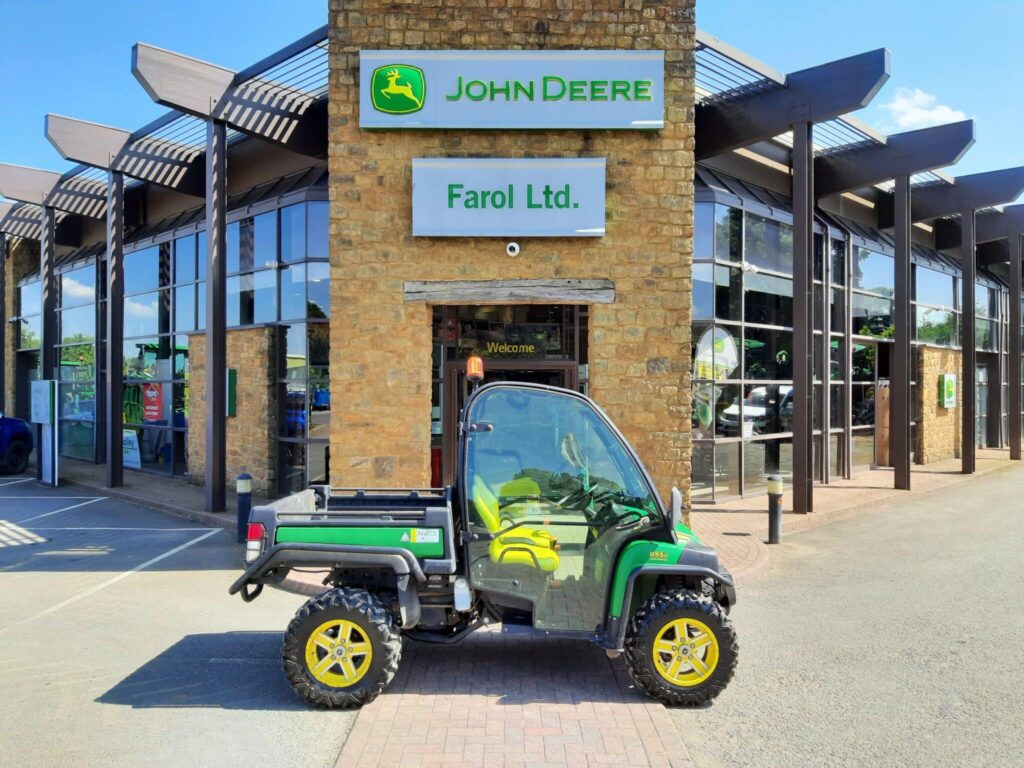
{"x": 512, "y": 249}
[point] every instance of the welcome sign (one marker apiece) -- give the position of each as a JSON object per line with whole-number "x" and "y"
{"x": 500, "y": 198}
{"x": 512, "y": 89}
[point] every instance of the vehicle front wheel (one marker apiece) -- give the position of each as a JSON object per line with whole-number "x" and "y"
{"x": 681, "y": 648}
{"x": 341, "y": 649}
{"x": 16, "y": 459}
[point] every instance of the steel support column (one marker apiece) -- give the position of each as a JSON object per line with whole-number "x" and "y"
{"x": 899, "y": 388}
{"x": 5, "y": 327}
{"x": 803, "y": 321}
{"x": 968, "y": 270}
{"x": 48, "y": 321}
{"x": 216, "y": 341}
{"x": 1014, "y": 359}
{"x": 114, "y": 385}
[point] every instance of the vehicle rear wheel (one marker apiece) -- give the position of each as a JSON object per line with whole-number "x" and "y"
{"x": 341, "y": 649}
{"x": 681, "y": 648}
{"x": 16, "y": 458}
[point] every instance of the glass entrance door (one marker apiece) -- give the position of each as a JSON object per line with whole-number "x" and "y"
{"x": 981, "y": 405}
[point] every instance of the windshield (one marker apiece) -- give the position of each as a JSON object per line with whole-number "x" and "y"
{"x": 552, "y": 447}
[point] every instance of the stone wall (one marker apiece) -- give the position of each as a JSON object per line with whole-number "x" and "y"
{"x": 252, "y": 432}
{"x": 381, "y": 345}
{"x": 22, "y": 258}
{"x": 939, "y": 429}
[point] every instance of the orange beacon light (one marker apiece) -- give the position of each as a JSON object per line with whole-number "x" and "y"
{"x": 475, "y": 368}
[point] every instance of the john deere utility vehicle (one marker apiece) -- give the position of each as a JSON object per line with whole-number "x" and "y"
{"x": 552, "y": 523}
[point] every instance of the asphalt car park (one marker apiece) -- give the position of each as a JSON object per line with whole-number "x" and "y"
{"x": 119, "y": 643}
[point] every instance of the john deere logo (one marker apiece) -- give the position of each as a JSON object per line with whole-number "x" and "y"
{"x": 398, "y": 89}
{"x": 950, "y": 389}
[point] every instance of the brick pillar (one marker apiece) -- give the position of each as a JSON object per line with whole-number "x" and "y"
{"x": 381, "y": 345}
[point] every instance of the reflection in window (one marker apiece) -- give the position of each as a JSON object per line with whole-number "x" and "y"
{"x": 728, "y": 233}
{"x": 728, "y": 293}
{"x": 935, "y": 326}
{"x": 872, "y": 316}
{"x": 142, "y": 270}
{"x": 716, "y": 354}
{"x": 768, "y": 354}
{"x": 935, "y": 288}
{"x": 873, "y": 271}
{"x": 769, "y": 300}
{"x": 768, "y": 244}
{"x": 703, "y": 291}
{"x": 716, "y": 410}
{"x": 78, "y": 287}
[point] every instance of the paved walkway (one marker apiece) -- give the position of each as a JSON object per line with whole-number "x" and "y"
{"x": 502, "y": 701}
{"x": 739, "y": 529}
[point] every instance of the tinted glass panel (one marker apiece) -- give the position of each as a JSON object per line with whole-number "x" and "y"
{"x": 768, "y": 244}
{"x": 716, "y": 352}
{"x": 703, "y": 291}
{"x": 767, "y": 409}
{"x": 78, "y": 363}
{"x": 185, "y": 308}
{"x": 985, "y": 300}
{"x": 293, "y": 232}
{"x": 728, "y": 233}
{"x": 703, "y": 231}
{"x": 702, "y": 474}
{"x": 78, "y": 287}
{"x": 728, "y": 293}
{"x": 935, "y": 326}
{"x": 933, "y": 287}
{"x": 142, "y": 270}
{"x": 837, "y": 311}
{"x": 768, "y": 354}
{"x": 318, "y": 234}
{"x": 985, "y": 334}
{"x": 319, "y": 347}
{"x": 232, "y": 247}
{"x": 78, "y": 440}
{"x": 838, "y": 274}
{"x": 872, "y": 316}
{"x": 78, "y": 324}
{"x": 763, "y": 458}
{"x": 264, "y": 246}
{"x": 78, "y": 401}
{"x": 142, "y": 313}
{"x": 185, "y": 259}
{"x": 293, "y": 293}
{"x": 318, "y": 290}
{"x": 30, "y": 332}
{"x": 31, "y": 296}
{"x": 769, "y": 300}
{"x": 873, "y": 271}
{"x": 716, "y": 410}
{"x": 265, "y": 296}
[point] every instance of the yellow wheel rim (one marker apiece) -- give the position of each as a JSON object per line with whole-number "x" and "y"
{"x": 685, "y": 652}
{"x": 338, "y": 653}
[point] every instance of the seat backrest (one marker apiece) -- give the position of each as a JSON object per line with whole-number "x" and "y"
{"x": 486, "y": 505}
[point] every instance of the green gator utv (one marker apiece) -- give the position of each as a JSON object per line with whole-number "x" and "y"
{"x": 552, "y": 523}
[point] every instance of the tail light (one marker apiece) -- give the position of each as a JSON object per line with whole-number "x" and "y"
{"x": 255, "y": 537}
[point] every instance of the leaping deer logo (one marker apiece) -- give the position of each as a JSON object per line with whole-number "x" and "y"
{"x": 400, "y": 90}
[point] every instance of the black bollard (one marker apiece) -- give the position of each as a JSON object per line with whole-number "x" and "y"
{"x": 774, "y": 509}
{"x": 243, "y": 488}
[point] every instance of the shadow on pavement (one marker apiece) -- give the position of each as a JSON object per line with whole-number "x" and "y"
{"x": 229, "y": 670}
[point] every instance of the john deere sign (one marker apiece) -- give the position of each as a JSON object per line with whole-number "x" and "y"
{"x": 947, "y": 390}
{"x": 512, "y": 89}
{"x": 494, "y": 197}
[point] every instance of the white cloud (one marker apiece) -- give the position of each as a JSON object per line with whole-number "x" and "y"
{"x": 140, "y": 309}
{"x": 75, "y": 289}
{"x": 912, "y": 108}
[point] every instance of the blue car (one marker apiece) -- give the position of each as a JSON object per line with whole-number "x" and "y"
{"x": 15, "y": 445}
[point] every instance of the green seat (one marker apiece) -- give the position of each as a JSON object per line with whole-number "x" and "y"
{"x": 520, "y": 546}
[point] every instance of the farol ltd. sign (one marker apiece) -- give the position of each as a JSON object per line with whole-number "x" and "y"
{"x": 512, "y": 89}
{"x": 495, "y": 197}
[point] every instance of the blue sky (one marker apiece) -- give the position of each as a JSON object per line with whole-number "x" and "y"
{"x": 950, "y": 58}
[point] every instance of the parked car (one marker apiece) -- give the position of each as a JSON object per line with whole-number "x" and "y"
{"x": 16, "y": 445}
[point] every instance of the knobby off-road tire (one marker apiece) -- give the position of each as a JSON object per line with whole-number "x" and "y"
{"x": 659, "y": 621}
{"x": 372, "y": 636}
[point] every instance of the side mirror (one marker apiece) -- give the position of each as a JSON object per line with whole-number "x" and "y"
{"x": 677, "y": 508}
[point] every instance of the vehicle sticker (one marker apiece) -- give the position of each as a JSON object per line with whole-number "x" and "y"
{"x": 426, "y": 535}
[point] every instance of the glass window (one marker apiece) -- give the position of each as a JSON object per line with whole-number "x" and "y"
{"x": 233, "y": 248}
{"x": 728, "y": 233}
{"x": 293, "y": 396}
{"x": 295, "y": 345}
{"x": 767, "y": 409}
{"x": 703, "y": 291}
{"x": 985, "y": 334}
{"x": 935, "y": 326}
{"x": 985, "y": 301}
{"x": 837, "y": 406}
{"x": 872, "y": 316}
{"x": 703, "y": 231}
{"x": 78, "y": 439}
{"x": 318, "y": 290}
{"x": 319, "y": 454}
{"x": 78, "y": 287}
{"x": 769, "y": 300}
{"x": 319, "y": 231}
{"x": 862, "y": 404}
{"x": 873, "y": 271}
{"x": 293, "y": 292}
{"x": 142, "y": 270}
{"x": 147, "y": 358}
{"x": 264, "y": 235}
{"x": 837, "y": 359}
{"x": 180, "y": 357}
{"x": 292, "y": 459}
{"x": 768, "y": 244}
{"x": 185, "y": 259}
{"x": 31, "y": 332}
{"x": 716, "y": 410}
{"x": 201, "y": 254}
{"x": 319, "y": 349}
{"x": 31, "y": 299}
{"x": 931, "y": 287}
{"x": 716, "y": 353}
{"x": 265, "y": 296}
{"x": 235, "y": 298}
{"x": 702, "y": 474}
{"x": 78, "y": 401}
{"x": 78, "y": 363}
{"x": 293, "y": 232}
{"x": 862, "y": 452}
{"x": 762, "y": 458}
{"x": 728, "y": 293}
{"x": 863, "y": 362}
{"x": 142, "y": 313}
{"x": 185, "y": 308}
{"x": 837, "y": 311}
{"x": 838, "y": 274}
{"x": 78, "y": 325}
{"x": 768, "y": 354}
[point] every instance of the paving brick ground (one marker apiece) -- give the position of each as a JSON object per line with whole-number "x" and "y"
{"x": 503, "y": 700}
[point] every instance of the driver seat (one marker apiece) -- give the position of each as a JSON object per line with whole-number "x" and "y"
{"x": 520, "y": 546}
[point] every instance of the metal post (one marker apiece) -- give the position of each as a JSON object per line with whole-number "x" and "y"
{"x": 826, "y": 352}
{"x": 803, "y": 323}
{"x": 968, "y": 268}
{"x": 899, "y": 389}
{"x": 243, "y": 491}
{"x": 114, "y": 385}
{"x": 4, "y": 325}
{"x": 774, "y": 509}
{"x": 48, "y": 256}
{"x": 216, "y": 342}
{"x": 1014, "y": 359}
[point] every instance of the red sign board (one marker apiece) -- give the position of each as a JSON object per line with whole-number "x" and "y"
{"x": 152, "y": 402}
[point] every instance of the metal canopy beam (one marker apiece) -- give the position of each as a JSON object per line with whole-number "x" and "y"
{"x": 270, "y": 111}
{"x": 996, "y": 226}
{"x": 139, "y": 155}
{"x": 974, "y": 192}
{"x": 903, "y": 154}
{"x": 810, "y": 95}
{"x": 968, "y": 356}
{"x": 27, "y": 185}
